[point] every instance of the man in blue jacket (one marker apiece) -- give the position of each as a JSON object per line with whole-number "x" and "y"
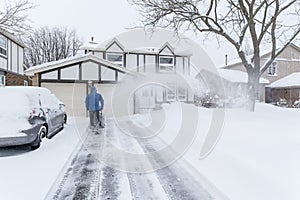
{"x": 94, "y": 103}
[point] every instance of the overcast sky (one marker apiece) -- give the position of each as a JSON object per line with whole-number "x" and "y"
{"x": 103, "y": 19}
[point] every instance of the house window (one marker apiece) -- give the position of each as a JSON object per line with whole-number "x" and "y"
{"x": 181, "y": 94}
{"x": 171, "y": 93}
{"x": 2, "y": 80}
{"x": 3, "y": 46}
{"x": 166, "y": 63}
{"x": 116, "y": 58}
{"x": 25, "y": 83}
{"x": 272, "y": 70}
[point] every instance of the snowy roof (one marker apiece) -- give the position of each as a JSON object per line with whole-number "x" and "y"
{"x": 292, "y": 80}
{"x": 263, "y": 53}
{"x": 147, "y": 41}
{"x": 236, "y": 76}
{"x": 12, "y": 37}
{"x": 152, "y": 41}
{"x": 73, "y": 60}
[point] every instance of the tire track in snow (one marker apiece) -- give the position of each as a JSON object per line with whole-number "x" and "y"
{"x": 175, "y": 180}
{"x": 142, "y": 185}
{"x": 80, "y": 181}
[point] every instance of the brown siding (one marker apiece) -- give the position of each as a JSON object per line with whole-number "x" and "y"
{"x": 284, "y": 68}
{"x": 15, "y": 79}
{"x": 289, "y": 94}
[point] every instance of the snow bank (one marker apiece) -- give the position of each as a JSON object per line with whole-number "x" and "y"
{"x": 257, "y": 156}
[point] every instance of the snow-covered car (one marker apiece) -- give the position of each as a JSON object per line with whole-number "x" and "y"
{"x": 29, "y": 114}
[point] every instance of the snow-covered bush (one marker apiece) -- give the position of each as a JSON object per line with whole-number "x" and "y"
{"x": 296, "y": 104}
{"x": 282, "y": 103}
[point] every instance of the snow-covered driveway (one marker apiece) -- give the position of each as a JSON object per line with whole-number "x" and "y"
{"x": 30, "y": 174}
{"x": 87, "y": 178}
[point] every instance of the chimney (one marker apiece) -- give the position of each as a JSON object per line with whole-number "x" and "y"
{"x": 226, "y": 59}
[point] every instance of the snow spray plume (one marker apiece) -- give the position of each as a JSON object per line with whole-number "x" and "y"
{"x": 128, "y": 146}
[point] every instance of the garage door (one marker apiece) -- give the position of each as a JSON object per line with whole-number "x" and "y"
{"x": 114, "y": 108}
{"x": 72, "y": 94}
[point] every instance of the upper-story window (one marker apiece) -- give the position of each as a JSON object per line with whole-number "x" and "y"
{"x": 3, "y": 46}
{"x": 116, "y": 58}
{"x": 272, "y": 70}
{"x": 166, "y": 63}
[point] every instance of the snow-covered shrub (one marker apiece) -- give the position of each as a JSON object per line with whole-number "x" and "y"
{"x": 282, "y": 103}
{"x": 296, "y": 104}
{"x": 208, "y": 100}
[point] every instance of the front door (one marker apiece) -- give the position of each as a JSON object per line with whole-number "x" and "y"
{"x": 145, "y": 98}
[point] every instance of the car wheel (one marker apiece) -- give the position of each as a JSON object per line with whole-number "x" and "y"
{"x": 37, "y": 142}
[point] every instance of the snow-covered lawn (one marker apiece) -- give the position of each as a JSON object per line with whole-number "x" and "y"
{"x": 257, "y": 156}
{"x": 31, "y": 175}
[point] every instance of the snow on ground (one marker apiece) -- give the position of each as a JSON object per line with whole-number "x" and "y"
{"x": 257, "y": 156}
{"x": 31, "y": 174}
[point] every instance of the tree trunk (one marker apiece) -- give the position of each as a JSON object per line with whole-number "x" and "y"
{"x": 253, "y": 89}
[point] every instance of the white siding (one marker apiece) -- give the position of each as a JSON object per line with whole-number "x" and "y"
{"x": 70, "y": 73}
{"x": 8, "y": 55}
{"x": 21, "y": 60}
{"x": 108, "y": 74}
{"x": 131, "y": 61}
{"x": 159, "y": 93}
{"x": 120, "y": 76}
{"x": 166, "y": 51}
{"x": 14, "y": 57}
{"x": 150, "y": 64}
{"x": 186, "y": 66}
{"x": 179, "y": 65}
{"x": 50, "y": 75}
{"x": 99, "y": 54}
{"x": 114, "y": 48}
{"x": 141, "y": 63}
{"x": 90, "y": 71}
{"x": 3, "y": 63}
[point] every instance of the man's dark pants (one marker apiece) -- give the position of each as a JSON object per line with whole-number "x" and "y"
{"x": 94, "y": 117}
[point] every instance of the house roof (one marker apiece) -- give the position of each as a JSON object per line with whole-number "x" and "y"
{"x": 292, "y": 80}
{"x": 264, "y": 53}
{"x": 11, "y": 37}
{"x": 74, "y": 60}
{"x": 236, "y": 76}
{"x": 146, "y": 41}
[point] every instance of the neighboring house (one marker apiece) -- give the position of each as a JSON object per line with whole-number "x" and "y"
{"x": 11, "y": 60}
{"x": 285, "y": 89}
{"x": 233, "y": 85}
{"x": 285, "y": 64}
{"x": 159, "y": 53}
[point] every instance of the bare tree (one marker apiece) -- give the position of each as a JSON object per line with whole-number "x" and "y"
{"x": 274, "y": 21}
{"x": 14, "y": 17}
{"x": 50, "y": 44}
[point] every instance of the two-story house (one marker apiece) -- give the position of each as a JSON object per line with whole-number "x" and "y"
{"x": 11, "y": 60}
{"x": 160, "y": 55}
{"x": 287, "y": 63}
